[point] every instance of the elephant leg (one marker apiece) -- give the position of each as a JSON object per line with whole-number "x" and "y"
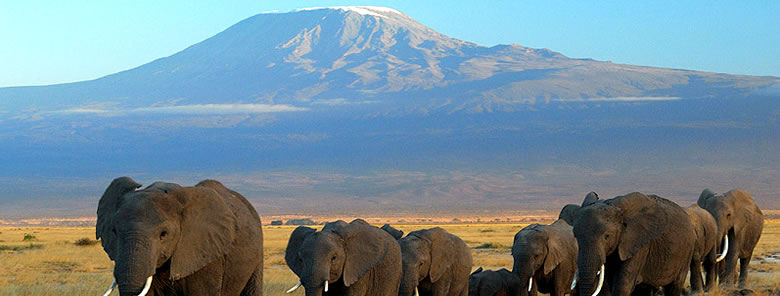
{"x": 441, "y": 288}
{"x": 710, "y": 271}
{"x": 696, "y": 279}
{"x": 743, "y": 272}
{"x": 627, "y": 274}
{"x": 254, "y": 287}
{"x": 729, "y": 274}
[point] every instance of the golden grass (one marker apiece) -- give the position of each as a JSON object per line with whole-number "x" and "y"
{"x": 60, "y": 267}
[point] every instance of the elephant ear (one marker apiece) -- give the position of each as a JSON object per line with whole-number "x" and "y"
{"x": 443, "y": 252}
{"x": 208, "y": 229}
{"x": 294, "y": 245}
{"x": 365, "y": 246}
{"x": 704, "y": 196}
{"x": 568, "y": 213}
{"x": 107, "y": 206}
{"x": 477, "y": 271}
{"x": 590, "y": 199}
{"x": 397, "y": 234}
{"x": 558, "y": 247}
{"x": 640, "y": 226}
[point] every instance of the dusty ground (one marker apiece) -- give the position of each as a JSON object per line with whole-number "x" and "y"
{"x": 48, "y": 262}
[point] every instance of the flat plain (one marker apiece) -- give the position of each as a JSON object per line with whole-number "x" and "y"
{"x": 48, "y": 260}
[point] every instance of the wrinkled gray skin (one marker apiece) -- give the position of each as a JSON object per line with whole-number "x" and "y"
{"x": 640, "y": 239}
{"x": 201, "y": 240}
{"x": 738, "y": 217}
{"x": 395, "y": 233}
{"x": 548, "y": 253}
{"x": 435, "y": 262}
{"x": 356, "y": 259}
{"x": 494, "y": 283}
{"x": 704, "y": 251}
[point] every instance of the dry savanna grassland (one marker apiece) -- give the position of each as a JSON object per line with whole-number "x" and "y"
{"x": 66, "y": 261}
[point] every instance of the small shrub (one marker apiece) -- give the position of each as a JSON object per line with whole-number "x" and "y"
{"x": 85, "y": 242}
{"x": 489, "y": 246}
{"x": 486, "y": 230}
{"x": 28, "y": 237}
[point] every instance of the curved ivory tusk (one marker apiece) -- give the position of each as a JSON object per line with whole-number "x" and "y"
{"x": 530, "y": 284}
{"x": 601, "y": 281}
{"x": 326, "y": 286}
{"x": 147, "y": 286}
{"x": 110, "y": 289}
{"x": 416, "y": 293}
{"x": 725, "y": 248}
{"x": 574, "y": 281}
{"x": 298, "y": 285}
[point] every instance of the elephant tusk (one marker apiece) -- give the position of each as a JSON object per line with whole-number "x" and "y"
{"x": 147, "y": 286}
{"x": 416, "y": 293}
{"x": 326, "y": 285}
{"x": 530, "y": 284}
{"x": 725, "y": 248}
{"x": 298, "y": 285}
{"x": 110, "y": 289}
{"x": 601, "y": 281}
{"x": 574, "y": 281}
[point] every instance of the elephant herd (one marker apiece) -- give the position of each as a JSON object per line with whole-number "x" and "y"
{"x": 207, "y": 240}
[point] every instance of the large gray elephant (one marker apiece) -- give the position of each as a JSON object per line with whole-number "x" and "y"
{"x": 706, "y": 233}
{"x": 172, "y": 240}
{"x": 435, "y": 262}
{"x": 630, "y": 240}
{"x": 494, "y": 283}
{"x": 345, "y": 259}
{"x": 739, "y": 221}
{"x": 545, "y": 257}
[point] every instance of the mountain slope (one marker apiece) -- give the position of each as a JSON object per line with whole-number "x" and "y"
{"x": 362, "y": 108}
{"x": 357, "y": 54}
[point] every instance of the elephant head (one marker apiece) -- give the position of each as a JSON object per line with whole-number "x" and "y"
{"x": 493, "y": 283}
{"x": 624, "y": 225}
{"x": 336, "y": 257}
{"x": 425, "y": 253}
{"x": 164, "y": 229}
{"x": 535, "y": 250}
{"x": 395, "y": 233}
{"x": 725, "y": 208}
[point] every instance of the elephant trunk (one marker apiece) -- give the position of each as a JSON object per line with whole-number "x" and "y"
{"x": 590, "y": 277}
{"x": 409, "y": 282}
{"x": 134, "y": 266}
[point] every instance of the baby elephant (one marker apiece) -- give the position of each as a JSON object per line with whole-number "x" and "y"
{"x": 546, "y": 257}
{"x": 494, "y": 283}
{"x": 435, "y": 262}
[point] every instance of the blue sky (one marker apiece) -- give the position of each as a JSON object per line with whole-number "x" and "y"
{"x": 47, "y": 42}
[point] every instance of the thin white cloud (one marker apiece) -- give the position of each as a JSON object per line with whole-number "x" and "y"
{"x": 340, "y": 102}
{"x": 622, "y": 99}
{"x": 196, "y": 109}
{"x": 220, "y": 109}
{"x": 81, "y": 111}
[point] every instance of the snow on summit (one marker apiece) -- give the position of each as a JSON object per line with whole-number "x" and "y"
{"x": 364, "y": 10}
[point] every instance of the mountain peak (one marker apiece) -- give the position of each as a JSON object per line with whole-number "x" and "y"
{"x": 378, "y": 11}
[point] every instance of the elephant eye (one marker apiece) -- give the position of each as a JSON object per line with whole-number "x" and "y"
{"x": 163, "y": 234}
{"x": 113, "y": 230}
{"x": 606, "y": 237}
{"x": 333, "y": 258}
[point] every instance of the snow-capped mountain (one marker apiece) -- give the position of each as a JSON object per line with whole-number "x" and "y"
{"x": 363, "y": 108}
{"x": 339, "y": 55}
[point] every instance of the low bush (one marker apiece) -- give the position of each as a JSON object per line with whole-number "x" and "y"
{"x": 85, "y": 242}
